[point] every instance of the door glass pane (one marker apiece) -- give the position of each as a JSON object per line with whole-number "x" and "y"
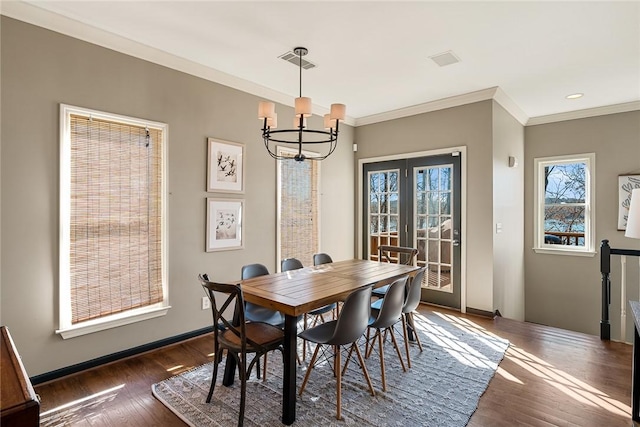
{"x": 445, "y": 203}
{"x": 432, "y": 174}
{"x": 445, "y": 178}
{"x": 434, "y": 203}
{"x": 394, "y": 203}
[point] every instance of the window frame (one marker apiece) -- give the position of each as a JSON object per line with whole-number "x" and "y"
{"x": 539, "y": 245}
{"x": 66, "y": 328}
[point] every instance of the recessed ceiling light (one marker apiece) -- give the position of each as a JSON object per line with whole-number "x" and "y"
{"x": 575, "y": 96}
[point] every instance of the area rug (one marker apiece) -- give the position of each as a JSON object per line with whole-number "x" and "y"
{"x": 442, "y": 388}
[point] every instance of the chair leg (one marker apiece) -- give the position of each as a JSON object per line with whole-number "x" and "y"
{"x": 364, "y": 368}
{"x": 338, "y": 385}
{"x": 309, "y": 368}
{"x": 384, "y": 379}
{"x": 412, "y": 323}
{"x": 216, "y": 360}
{"x": 395, "y": 345}
{"x": 406, "y": 340}
{"x": 264, "y": 368}
{"x": 242, "y": 372}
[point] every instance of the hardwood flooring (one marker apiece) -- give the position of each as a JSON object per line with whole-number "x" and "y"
{"x": 549, "y": 377}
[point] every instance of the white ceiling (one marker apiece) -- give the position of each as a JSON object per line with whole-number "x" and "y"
{"x": 374, "y": 56}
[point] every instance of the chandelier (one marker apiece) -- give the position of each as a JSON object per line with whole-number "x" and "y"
{"x": 323, "y": 140}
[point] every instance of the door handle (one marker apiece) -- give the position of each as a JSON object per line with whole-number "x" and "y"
{"x": 456, "y": 243}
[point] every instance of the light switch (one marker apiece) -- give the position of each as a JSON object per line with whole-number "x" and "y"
{"x": 498, "y": 227}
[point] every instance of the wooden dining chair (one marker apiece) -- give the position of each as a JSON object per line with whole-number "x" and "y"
{"x": 239, "y": 338}
{"x": 396, "y": 255}
{"x": 349, "y": 327}
{"x": 385, "y": 313}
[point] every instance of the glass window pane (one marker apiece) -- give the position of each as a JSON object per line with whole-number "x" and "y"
{"x": 420, "y": 180}
{"x": 393, "y": 223}
{"x": 374, "y": 224}
{"x": 564, "y": 225}
{"x": 565, "y": 183}
{"x": 445, "y": 179}
{"x": 384, "y": 203}
{"x": 434, "y": 207}
{"x": 445, "y": 203}
{"x": 421, "y": 207}
{"x": 432, "y": 183}
{"x": 384, "y": 224}
{"x": 393, "y": 182}
{"x": 374, "y": 205}
{"x": 383, "y": 182}
{"x": 394, "y": 203}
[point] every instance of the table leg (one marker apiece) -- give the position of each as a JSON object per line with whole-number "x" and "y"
{"x": 635, "y": 375}
{"x": 289, "y": 376}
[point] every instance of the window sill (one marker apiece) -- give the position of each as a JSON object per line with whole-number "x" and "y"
{"x": 564, "y": 252}
{"x": 113, "y": 321}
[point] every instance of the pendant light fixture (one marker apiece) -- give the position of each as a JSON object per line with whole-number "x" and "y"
{"x": 300, "y": 137}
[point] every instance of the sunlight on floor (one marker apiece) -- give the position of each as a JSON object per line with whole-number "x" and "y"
{"x": 463, "y": 352}
{"x": 67, "y": 414}
{"x": 577, "y": 389}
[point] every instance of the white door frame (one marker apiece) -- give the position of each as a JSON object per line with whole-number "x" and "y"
{"x": 463, "y": 208}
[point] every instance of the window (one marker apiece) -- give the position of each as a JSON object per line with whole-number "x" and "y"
{"x": 298, "y": 208}
{"x": 112, "y": 221}
{"x": 564, "y": 214}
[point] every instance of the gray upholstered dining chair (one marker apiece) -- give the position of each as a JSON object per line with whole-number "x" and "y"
{"x": 385, "y": 313}
{"x": 238, "y": 336}
{"x": 349, "y": 327}
{"x": 321, "y": 258}
{"x": 256, "y": 313}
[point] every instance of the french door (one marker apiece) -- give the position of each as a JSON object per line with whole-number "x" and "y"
{"x": 416, "y": 202}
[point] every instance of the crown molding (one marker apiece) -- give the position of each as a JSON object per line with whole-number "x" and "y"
{"x": 440, "y": 104}
{"x": 582, "y": 114}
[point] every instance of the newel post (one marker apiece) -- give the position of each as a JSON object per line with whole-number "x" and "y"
{"x": 605, "y": 269}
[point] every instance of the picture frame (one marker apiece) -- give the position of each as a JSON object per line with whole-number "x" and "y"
{"x": 224, "y": 224}
{"x": 626, "y": 183}
{"x": 225, "y": 166}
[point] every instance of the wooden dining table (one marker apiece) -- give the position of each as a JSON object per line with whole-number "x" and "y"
{"x": 296, "y": 292}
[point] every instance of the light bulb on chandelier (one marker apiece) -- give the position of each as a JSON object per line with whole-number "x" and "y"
{"x": 300, "y": 136}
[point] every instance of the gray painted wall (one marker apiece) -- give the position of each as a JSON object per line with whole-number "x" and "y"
{"x": 468, "y": 125}
{"x": 40, "y": 70}
{"x": 564, "y": 291}
{"x": 508, "y": 210}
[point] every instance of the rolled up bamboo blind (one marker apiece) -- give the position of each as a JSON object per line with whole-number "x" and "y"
{"x": 115, "y": 241}
{"x": 299, "y": 209}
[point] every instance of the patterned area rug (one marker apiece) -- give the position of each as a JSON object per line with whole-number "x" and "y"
{"x": 442, "y": 388}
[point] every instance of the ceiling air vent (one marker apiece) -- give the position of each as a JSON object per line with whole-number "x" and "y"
{"x": 293, "y": 58}
{"x": 445, "y": 58}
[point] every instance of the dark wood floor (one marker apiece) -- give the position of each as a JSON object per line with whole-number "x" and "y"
{"x": 549, "y": 377}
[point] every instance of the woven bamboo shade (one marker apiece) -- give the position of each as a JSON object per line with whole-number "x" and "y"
{"x": 115, "y": 241}
{"x": 299, "y": 210}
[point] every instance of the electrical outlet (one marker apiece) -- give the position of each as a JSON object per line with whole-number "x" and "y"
{"x": 206, "y": 303}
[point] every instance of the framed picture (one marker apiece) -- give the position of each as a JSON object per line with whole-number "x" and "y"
{"x": 225, "y": 172}
{"x": 626, "y": 183}
{"x": 224, "y": 224}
